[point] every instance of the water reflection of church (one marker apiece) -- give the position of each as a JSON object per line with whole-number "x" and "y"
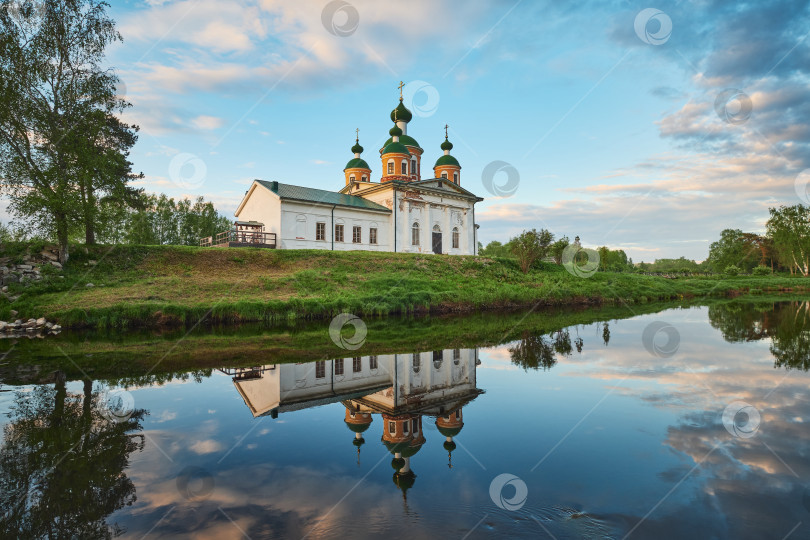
{"x": 401, "y": 388}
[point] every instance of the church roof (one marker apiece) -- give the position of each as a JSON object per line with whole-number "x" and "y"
{"x": 299, "y": 193}
{"x": 407, "y": 140}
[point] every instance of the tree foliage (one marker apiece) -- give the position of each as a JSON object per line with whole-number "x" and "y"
{"x": 789, "y": 228}
{"x": 531, "y": 246}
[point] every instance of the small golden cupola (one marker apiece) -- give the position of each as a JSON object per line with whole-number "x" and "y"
{"x": 447, "y": 166}
{"x": 357, "y": 170}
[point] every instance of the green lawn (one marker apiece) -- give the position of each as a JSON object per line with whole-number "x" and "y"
{"x": 163, "y": 285}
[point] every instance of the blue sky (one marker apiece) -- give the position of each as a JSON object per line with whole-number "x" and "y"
{"x": 612, "y": 124}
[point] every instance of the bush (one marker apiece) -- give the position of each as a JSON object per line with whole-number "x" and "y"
{"x": 732, "y": 270}
{"x": 762, "y": 271}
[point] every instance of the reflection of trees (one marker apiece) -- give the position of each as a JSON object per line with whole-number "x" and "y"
{"x": 787, "y": 324}
{"x": 62, "y": 465}
{"x": 540, "y": 351}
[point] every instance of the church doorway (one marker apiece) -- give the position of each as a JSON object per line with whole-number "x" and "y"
{"x": 437, "y": 240}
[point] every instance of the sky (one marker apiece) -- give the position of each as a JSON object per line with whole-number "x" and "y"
{"x": 648, "y": 128}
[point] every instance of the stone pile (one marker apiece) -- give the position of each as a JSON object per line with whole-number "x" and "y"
{"x": 31, "y": 327}
{"x": 27, "y": 272}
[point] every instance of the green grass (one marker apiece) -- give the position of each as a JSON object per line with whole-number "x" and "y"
{"x": 174, "y": 285}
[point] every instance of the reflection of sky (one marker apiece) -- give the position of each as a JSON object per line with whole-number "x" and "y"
{"x": 602, "y": 439}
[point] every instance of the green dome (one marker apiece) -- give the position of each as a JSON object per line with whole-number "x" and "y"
{"x": 360, "y": 442}
{"x": 357, "y": 163}
{"x": 449, "y": 446}
{"x": 447, "y": 160}
{"x": 449, "y": 432}
{"x": 404, "y": 481}
{"x": 447, "y": 145}
{"x": 396, "y": 148}
{"x": 395, "y": 131}
{"x": 401, "y": 113}
{"x": 407, "y": 140}
{"x": 411, "y": 450}
{"x": 358, "y": 428}
{"x": 396, "y": 447}
{"x": 357, "y": 149}
{"x": 397, "y": 463}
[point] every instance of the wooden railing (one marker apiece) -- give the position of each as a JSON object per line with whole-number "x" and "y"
{"x": 240, "y": 238}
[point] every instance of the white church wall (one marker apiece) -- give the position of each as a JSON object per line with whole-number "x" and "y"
{"x": 263, "y": 206}
{"x": 299, "y": 227}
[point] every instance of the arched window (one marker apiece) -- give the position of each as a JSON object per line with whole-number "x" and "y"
{"x": 455, "y": 177}
{"x": 351, "y": 178}
{"x": 415, "y": 234}
{"x": 391, "y": 166}
{"x": 417, "y": 362}
{"x": 365, "y": 178}
{"x": 436, "y": 228}
{"x": 413, "y": 166}
{"x": 456, "y": 237}
{"x": 404, "y": 167}
{"x": 444, "y": 175}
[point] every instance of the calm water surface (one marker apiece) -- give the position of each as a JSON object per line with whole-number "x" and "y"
{"x": 688, "y": 423}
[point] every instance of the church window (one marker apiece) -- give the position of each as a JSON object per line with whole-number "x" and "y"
{"x": 458, "y": 415}
{"x": 415, "y": 234}
{"x": 437, "y": 359}
{"x": 456, "y": 237}
{"x": 372, "y": 362}
{"x": 390, "y": 167}
{"x": 357, "y": 364}
{"x": 356, "y": 235}
{"x": 456, "y": 356}
{"x": 417, "y": 361}
{"x": 372, "y": 235}
{"x": 365, "y": 178}
{"x": 320, "y": 369}
{"x": 338, "y": 233}
{"x": 414, "y": 426}
{"x": 413, "y": 166}
{"x": 320, "y": 231}
{"x": 392, "y": 428}
{"x": 351, "y": 178}
{"x": 405, "y": 427}
{"x": 339, "y": 367}
{"x": 404, "y": 167}
{"x": 455, "y": 177}
{"x": 444, "y": 175}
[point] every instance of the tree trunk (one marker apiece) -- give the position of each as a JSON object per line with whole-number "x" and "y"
{"x": 62, "y": 237}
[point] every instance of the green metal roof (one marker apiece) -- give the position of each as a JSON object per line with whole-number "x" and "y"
{"x": 407, "y": 140}
{"x": 395, "y": 148}
{"x": 447, "y": 160}
{"x": 299, "y": 193}
{"x": 357, "y": 163}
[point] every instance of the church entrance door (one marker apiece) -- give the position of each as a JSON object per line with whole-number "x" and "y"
{"x": 437, "y": 243}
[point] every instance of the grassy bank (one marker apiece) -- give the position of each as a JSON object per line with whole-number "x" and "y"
{"x": 161, "y": 285}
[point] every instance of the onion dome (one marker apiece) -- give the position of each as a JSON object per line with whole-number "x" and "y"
{"x": 357, "y": 149}
{"x": 447, "y": 145}
{"x": 404, "y": 481}
{"x": 360, "y": 442}
{"x": 395, "y": 132}
{"x": 407, "y": 140}
{"x": 397, "y": 463}
{"x": 358, "y": 428}
{"x": 396, "y": 447}
{"x": 396, "y": 148}
{"x": 401, "y": 113}
{"x": 449, "y": 431}
{"x": 449, "y": 446}
{"x": 411, "y": 450}
{"x": 357, "y": 163}
{"x": 447, "y": 159}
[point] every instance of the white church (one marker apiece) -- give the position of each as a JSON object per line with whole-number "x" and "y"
{"x": 399, "y": 212}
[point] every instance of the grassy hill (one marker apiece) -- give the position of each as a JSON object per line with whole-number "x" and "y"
{"x": 126, "y": 286}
